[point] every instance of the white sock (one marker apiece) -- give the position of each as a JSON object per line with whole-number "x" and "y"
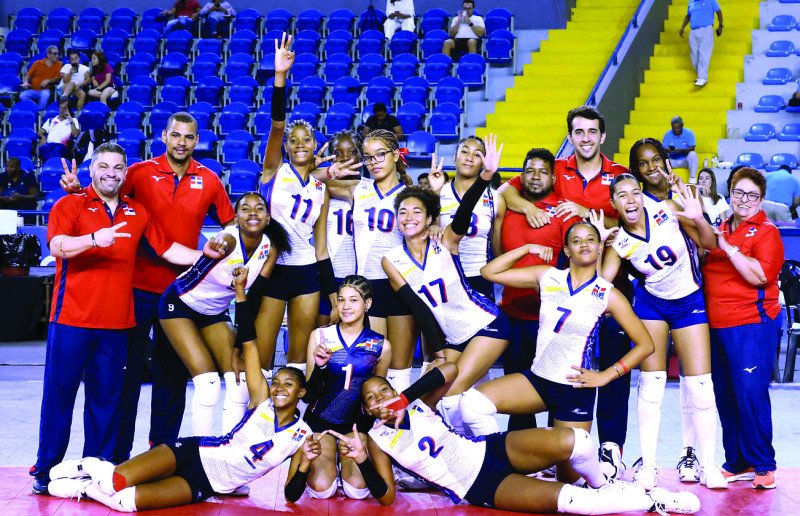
{"x": 448, "y": 408}
{"x": 700, "y": 391}
{"x": 686, "y": 415}
{"x": 204, "y": 401}
{"x": 651, "y": 394}
{"x": 123, "y": 501}
{"x": 578, "y": 500}
{"x": 477, "y": 412}
{"x": 399, "y": 379}
{"x": 267, "y": 375}
{"x": 236, "y": 399}
{"x": 584, "y": 459}
{"x": 423, "y": 368}
{"x": 297, "y": 365}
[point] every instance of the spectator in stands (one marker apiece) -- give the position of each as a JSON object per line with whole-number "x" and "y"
{"x": 58, "y": 132}
{"x": 399, "y": 16}
{"x": 41, "y": 77}
{"x": 18, "y": 189}
{"x": 794, "y": 101}
{"x": 466, "y": 30}
{"x": 715, "y": 204}
{"x": 680, "y": 142}
{"x": 185, "y": 12}
{"x": 102, "y": 78}
{"x": 700, "y": 18}
{"x": 75, "y": 78}
{"x": 217, "y": 12}
{"x": 380, "y": 119}
{"x": 740, "y": 279}
{"x": 422, "y": 180}
{"x": 784, "y": 188}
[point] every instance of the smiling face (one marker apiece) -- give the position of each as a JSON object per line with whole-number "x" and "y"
{"x": 586, "y": 137}
{"x": 180, "y": 139}
{"x": 705, "y": 182}
{"x": 583, "y": 245}
{"x": 537, "y": 178}
{"x": 351, "y": 306}
{"x": 745, "y": 207}
{"x": 469, "y": 158}
{"x": 412, "y": 217}
{"x": 108, "y": 171}
{"x": 300, "y": 145}
{"x": 374, "y": 392}
{"x": 252, "y": 215}
{"x": 285, "y": 389}
{"x": 627, "y": 200}
{"x": 648, "y": 163}
{"x": 346, "y": 150}
{"x": 380, "y": 160}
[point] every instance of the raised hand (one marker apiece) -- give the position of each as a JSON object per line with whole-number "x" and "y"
{"x": 312, "y": 447}
{"x": 105, "y": 237}
{"x": 543, "y": 252}
{"x": 69, "y": 179}
{"x": 284, "y": 58}
{"x": 598, "y": 221}
{"x": 240, "y": 278}
{"x": 322, "y": 354}
{"x": 215, "y": 248}
{"x": 491, "y": 160}
{"x": 339, "y": 170}
{"x": 691, "y": 201}
{"x": 436, "y": 175}
{"x": 352, "y": 447}
{"x": 320, "y": 157}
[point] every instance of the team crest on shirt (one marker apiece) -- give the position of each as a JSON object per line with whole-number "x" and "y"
{"x": 371, "y": 344}
{"x": 751, "y": 232}
{"x": 660, "y": 217}
{"x": 264, "y": 252}
{"x": 317, "y": 184}
{"x": 196, "y": 183}
{"x": 551, "y": 210}
{"x": 127, "y": 210}
{"x": 606, "y": 178}
{"x": 599, "y": 292}
{"x": 299, "y": 435}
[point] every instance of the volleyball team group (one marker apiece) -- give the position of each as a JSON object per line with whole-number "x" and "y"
{"x": 599, "y": 266}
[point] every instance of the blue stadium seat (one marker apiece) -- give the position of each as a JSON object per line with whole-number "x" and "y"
{"x": 371, "y": 19}
{"x": 432, "y": 43}
{"x": 50, "y": 175}
{"x": 233, "y": 117}
{"x": 497, "y": 19}
{"x": 444, "y": 125}
{"x": 237, "y": 146}
{"x": 434, "y": 19}
{"x": 411, "y": 116}
{"x": 213, "y": 165}
{"x": 421, "y": 145}
{"x": 248, "y": 19}
{"x": 339, "y": 117}
{"x": 83, "y": 40}
{"x": 239, "y": 65}
{"x": 500, "y": 47}
{"x": 205, "y": 65}
{"x": 341, "y": 19}
{"x": 778, "y": 76}
{"x": 403, "y": 42}
{"x": 60, "y": 18}
{"x": 769, "y": 104}
{"x": 267, "y": 45}
{"x": 472, "y": 69}
{"x": 19, "y": 41}
{"x": 336, "y": 66}
{"x": 141, "y": 64}
{"x": 10, "y": 62}
{"x": 266, "y": 93}
{"x": 116, "y": 41}
{"x": 760, "y": 133}
{"x": 94, "y": 116}
{"x": 133, "y": 141}
{"x": 206, "y": 145}
{"x": 782, "y": 23}
{"x": 311, "y": 89}
{"x": 306, "y": 111}
{"x": 52, "y": 197}
{"x": 279, "y": 19}
{"x": 157, "y": 147}
{"x": 266, "y": 68}
{"x": 244, "y": 90}
{"x": 142, "y": 90}
{"x": 750, "y": 159}
{"x": 403, "y": 67}
{"x": 50, "y": 37}
{"x": 30, "y": 19}
{"x": 347, "y": 90}
{"x": 180, "y": 41}
{"x": 306, "y": 42}
{"x": 92, "y": 18}
{"x": 50, "y": 111}
{"x": 416, "y": 90}
{"x": 159, "y": 116}
{"x": 436, "y": 67}
{"x": 173, "y": 64}
{"x": 781, "y": 48}
{"x": 790, "y": 133}
{"x": 305, "y": 65}
{"x": 123, "y": 18}
{"x": 450, "y": 89}
{"x": 782, "y": 159}
{"x": 243, "y": 177}
{"x": 85, "y": 175}
{"x": 23, "y": 114}
{"x": 369, "y": 67}
{"x": 209, "y": 46}
{"x": 209, "y": 89}
{"x": 310, "y": 19}
{"x": 338, "y": 42}
{"x": 20, "y": 143}
{"x": 380, "y": 89}
{"x": 148, "y": 41}
{"x": 370, "y": 42}
{"x": 152, "y": 19}
{"x": 176, "y": 89}
{"x": 129, "y": 115}
{"x": 262, "y": 121}
{"x": 203, "y": 112}
{"x": 242, "y": 42}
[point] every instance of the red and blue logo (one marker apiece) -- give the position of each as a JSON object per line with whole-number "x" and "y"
{"x": 599, "y": 292}
{"x": 660, "y": 217}
{"x": 196, "y": 182}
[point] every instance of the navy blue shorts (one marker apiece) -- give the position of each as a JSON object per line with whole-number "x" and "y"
{"x": 565, "y": 402}
{"x": 290, "y": 281}
{"x": 677, "y": 313}
{"x": 495, "y": 468}
{"x": 500, "y": 328}
{"x": 385, "y": 301}
{"x": 325, "y": 303}
{"x": 189, "y": 467}
{"x": 482, "y": 285}
{"x": 170, "y": 306}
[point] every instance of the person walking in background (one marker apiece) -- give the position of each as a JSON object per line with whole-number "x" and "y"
{"x": 700, "y": 18}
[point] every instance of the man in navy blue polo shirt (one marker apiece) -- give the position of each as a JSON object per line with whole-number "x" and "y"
{"x": 700, "y": 18}
{"x": 18, "y": 189}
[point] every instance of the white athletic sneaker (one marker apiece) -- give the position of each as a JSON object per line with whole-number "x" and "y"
{"x": 622, "y": 488}
{"x": 69, "y": 487}
{"x": 611, "y": 460}
{"x": 681, "y": 502}
{"x": 102, "y": 472}
{"x": 73, "y": 468}
{"x": 688, "y": 466}
{"x": 646, "y": 475}
{"x": 713, "y": 478}
{"x": 407, "y": 481}
{"x": 240, "y": 491}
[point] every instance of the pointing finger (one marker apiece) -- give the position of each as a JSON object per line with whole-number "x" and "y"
{"x": 122, "y": 235}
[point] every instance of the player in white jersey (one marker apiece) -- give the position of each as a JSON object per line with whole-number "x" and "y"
{"x": 421, "y": 269}
{"x": 573, "y": 301}
{"x": 300, "y": 202}
{"x": 192, "y": 469}
{"x": 659, "y": 241}
{"x": 375, "y": 232}
{"x": 194, "y": 310}
{"x": 488, "y": 471}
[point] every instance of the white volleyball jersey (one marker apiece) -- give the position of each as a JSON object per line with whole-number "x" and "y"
{"x": 374, "y": 227}
{"x": 569, "y": 320}
{"x": 666, "y": 256}
{"x": 649, "y": 200}
{"x": 475, "y": 248}
{"x": 341, "y": 246}
{"x": 427, "y": 447}
{"x": 295, "y": 204}
{"x": 440, "y": 282}
{"x": 254, "y": 446}
{"x": 206, "y": 286}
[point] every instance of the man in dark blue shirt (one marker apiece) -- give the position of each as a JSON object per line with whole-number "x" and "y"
{"x": 18, "y": 189}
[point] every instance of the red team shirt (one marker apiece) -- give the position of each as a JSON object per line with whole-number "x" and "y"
{"x": 523, "y": 303}
{"x": 570, "y": 184}
{"x": 730, "y": 300}
{"x": 181, "y": 207}
{"x": 95, "y": 288}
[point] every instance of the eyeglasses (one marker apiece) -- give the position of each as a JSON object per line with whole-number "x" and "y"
{"x": 740, "y": 194}
{"x": 379, "y": 157}
{"x": 52, "y": 52}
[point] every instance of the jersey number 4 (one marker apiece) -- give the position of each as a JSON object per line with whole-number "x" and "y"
{"x": 261, "y": 449}
{"x": 427, "y": 443}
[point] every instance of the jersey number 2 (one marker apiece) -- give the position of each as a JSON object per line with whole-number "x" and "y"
{"x": 427, "y": 443}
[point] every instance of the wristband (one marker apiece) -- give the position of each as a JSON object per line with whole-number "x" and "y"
{"x": 622, "y": 365}
{"x": 732, "y": 252}
{"x": 375, "y": 483}
{"x": 94, "y": 242}
{"x": 617, "y": 370}
{"x": 296, "y": 486}
{"x": 397, "y": 404}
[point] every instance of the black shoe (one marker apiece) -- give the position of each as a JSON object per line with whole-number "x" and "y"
{"x": 40, "y": 486}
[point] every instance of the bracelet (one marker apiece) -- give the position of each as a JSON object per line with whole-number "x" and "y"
{"x": 617, "y": 370}
{"x": 625, "y": 368}
{"x": 94, "y": 242}
{"x": 732, "y": 252}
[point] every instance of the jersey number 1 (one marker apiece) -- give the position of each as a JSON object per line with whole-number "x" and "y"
{"x": 297, "y": 201}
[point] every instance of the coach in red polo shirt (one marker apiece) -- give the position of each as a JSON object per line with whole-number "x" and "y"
{"x": 94, "y": 236}
{"x": 740, "y": 278}
{"x": 583, "y": 181}
{"x": 521, "y": 305}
